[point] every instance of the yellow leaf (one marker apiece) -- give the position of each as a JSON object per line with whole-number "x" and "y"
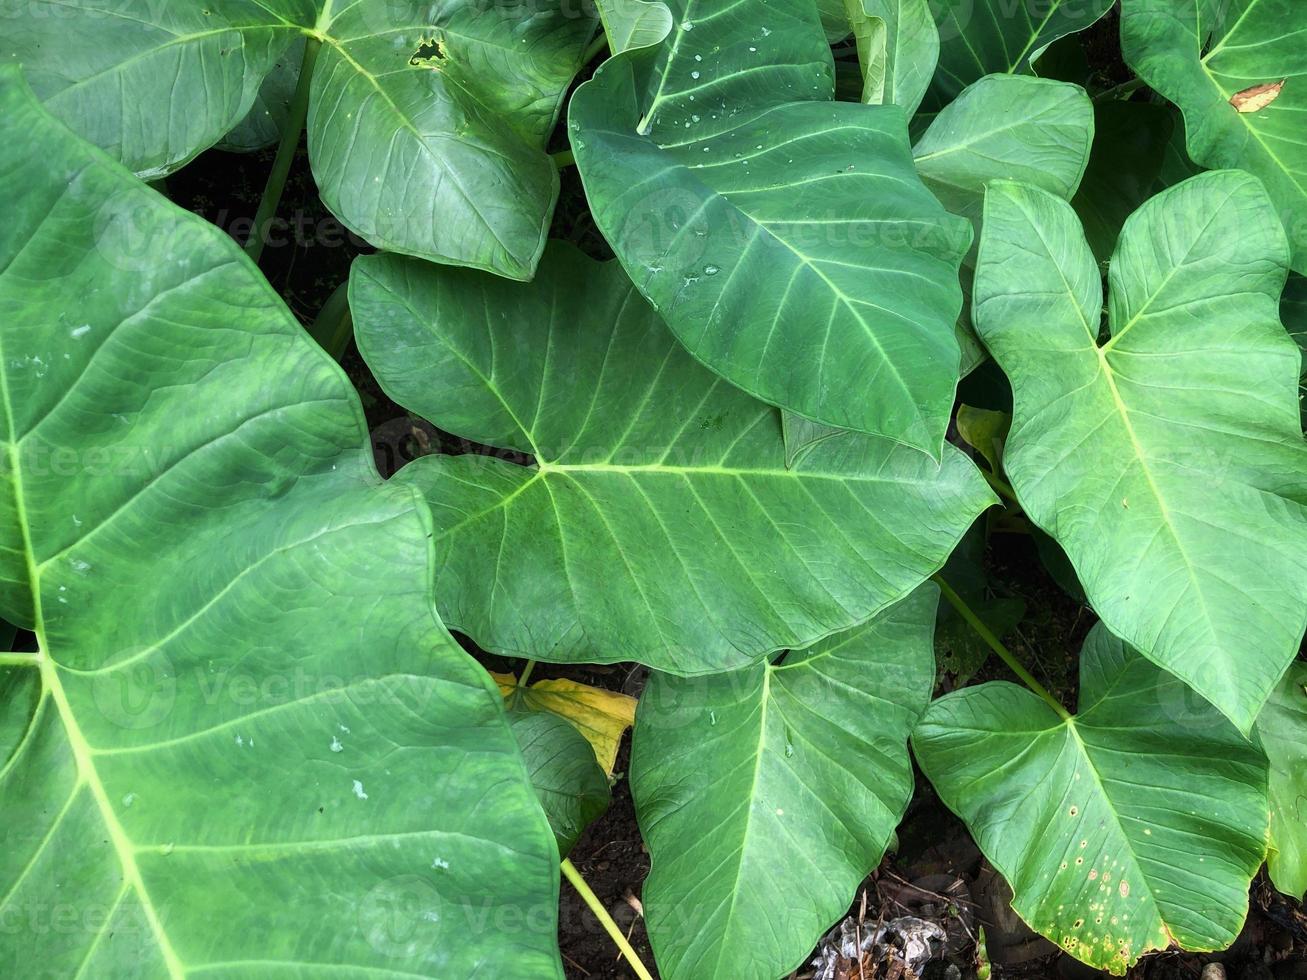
{"x": 601, "y": 716}
{"x": 985, "y": 430}
{"x": 1258, "y": 97}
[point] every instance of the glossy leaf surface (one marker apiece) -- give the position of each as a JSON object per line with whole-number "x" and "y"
{"x": 766, "y": 795}
{"x": 571, "y": 787}
{"x": 1202, "y": 56}
{"x": 1006, "y": 127}
{"x": 1134, "y": 824}
{"x": 199, "y": 763}
{"x": 1168, "y": 461}
{"x": 1001, "y": 127}
{"x": 1282, "y": 727}
{"x": 162, "y": 81}
{"x": 262, "y": 125}
{"x": 427, "y": 121}
{"x": 659, "y": 522}
{"x": 634, "y": 23}
{"x": 907, "y": 51}
{"x": 786, "y": 239}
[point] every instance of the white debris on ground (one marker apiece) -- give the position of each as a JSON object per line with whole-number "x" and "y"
{"x": 897, "y": 949}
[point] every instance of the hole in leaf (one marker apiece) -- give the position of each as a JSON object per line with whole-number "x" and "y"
{"x": 429, "y": 54}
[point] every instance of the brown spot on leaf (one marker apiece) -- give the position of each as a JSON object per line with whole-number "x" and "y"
{"x": 1257, "y": 97}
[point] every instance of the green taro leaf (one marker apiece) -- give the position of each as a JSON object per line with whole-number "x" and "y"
{"x": 445, "y": 160}
{"x": 905, "y": 42}
{"x": 983, "y": 37}
{"x": 1205, "y": 56}
{"x": 985, "y": 430}
{"x": 1134, "y": 824}
{"x": 427, "y": 120}
{"x": 802, "y": 434}
{"x": 160, "y": 81}
{"x": 263, "y": 124}
{"x": 566, "y": 776}
{"x": 834, "y": 19}
{"x": 786, "y": 239}
{"x": 244, "y": 745}
{"x": 634, "y": 23}
{"x": 1282, "y": 726}
{"x": 1005, "y": 126}
{"x": 766, "y": 795}
{"x": 1168, "y": 462}
{"x": 659, "y": 521}
{"x": 869, "y": 34}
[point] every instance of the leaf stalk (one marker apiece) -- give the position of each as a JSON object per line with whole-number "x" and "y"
{"x": 334, "y": 326}
{"x": 1118, "y": 91}
{"x": 597, "y": 47}
{"x": 1001, "y": 487}
{"x": 521, "y": 685}
{"x": 592, "y": 902}
{"x": 986, "y": 634}
{"x": 290, "y": 141}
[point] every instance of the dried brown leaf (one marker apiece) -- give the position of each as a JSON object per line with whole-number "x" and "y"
{"x": 1257, "y": 97}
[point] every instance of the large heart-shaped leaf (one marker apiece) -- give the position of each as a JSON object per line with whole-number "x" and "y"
{"x": 659, "y": 521}
{"x": 1238, "y": 71}
{"x": 445, "y": 160}
{"x": 1133, "y": 825}
{"x": 983, "y": 37}
{"x": 1003, "y": 126}
{"x": 766, "y": 795}
{"x": 427, "y": 122}
{"x": 1282, "y": 726}
{"x": 1006, "y": 126}
{"x": 245, "y": 744}
{"x": 1167, "y": 462}
{"x": 999, "y": 127}
{"x": 160, "y": 81}
{"x": 785, "y": 238}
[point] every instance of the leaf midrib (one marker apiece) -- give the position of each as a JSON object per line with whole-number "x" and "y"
{"x": 1123, "y": 412}
{"x": 542, "y": 469}
{"x": 87, "y": 774}
{"x": 751, "y": 796}
{"x": 1070, "y": 725}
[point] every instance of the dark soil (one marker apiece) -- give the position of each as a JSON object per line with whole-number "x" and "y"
{"x": 309, "y": 257}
